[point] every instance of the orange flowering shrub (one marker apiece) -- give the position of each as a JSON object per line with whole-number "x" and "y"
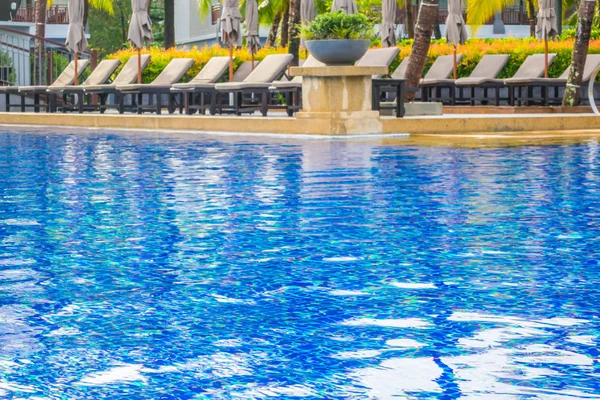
{"x": 518, "y": 49}
{"x": 472, "y": 52}
{"x": 161, "y": 57}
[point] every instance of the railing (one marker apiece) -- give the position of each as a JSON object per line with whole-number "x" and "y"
{"x": 21, "y": 64}
{"x": 56, "y": 14}
{"x": 510, "y": 15}
{"x": 215, "y": 13}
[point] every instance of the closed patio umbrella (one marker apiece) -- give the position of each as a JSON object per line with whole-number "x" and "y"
{"x": 140, "y": 30}
{"x": 388, "y": 28}
{"x": 347, "y": 6}
{"x": 546, "y": 26}
{"x": 230, "y": 28}
{"x": 456, "y": 31}
{"x": 252, "y": 38}
{"x": 307, "y": 13}
{"x": 76, "y": 41}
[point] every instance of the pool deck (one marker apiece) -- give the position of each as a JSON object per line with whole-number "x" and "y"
{"x": 510, "y": 125}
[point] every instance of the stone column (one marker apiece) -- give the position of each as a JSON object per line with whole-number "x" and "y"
{"x": 338, "y": 99}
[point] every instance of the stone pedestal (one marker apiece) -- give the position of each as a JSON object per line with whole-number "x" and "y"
{"x": 338, "y": 99}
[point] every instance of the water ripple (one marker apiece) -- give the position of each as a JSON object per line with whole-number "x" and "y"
{"x": 227, "y": 269}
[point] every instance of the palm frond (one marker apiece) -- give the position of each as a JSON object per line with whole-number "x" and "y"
{"x": 479, "y": 12}
{"x": 268, "y": 9}
{"x": 104, "y": 5}
{"x": 204, "y": 7}
{"x": 568, "y": 5}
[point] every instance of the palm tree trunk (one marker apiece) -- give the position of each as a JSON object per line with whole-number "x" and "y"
{"x": 123, "y": 23}
{"x": 272, "y": 38}
{"x": 285, "y": 23}
{"x": 410, "y": 19}
{"x": 580, "y": 51}
{"x": 169, "y": 24}
{"x": 437, "y": 31}
{"x": 294, "y": 36}
{"x": 39, "y": 70}
{"x": 86, "y": 12}
{"x": 418, "y": 56}
{"x": 531, "y": 12}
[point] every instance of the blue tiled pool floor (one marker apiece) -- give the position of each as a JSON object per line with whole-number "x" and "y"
{"x": 157, "y": 268}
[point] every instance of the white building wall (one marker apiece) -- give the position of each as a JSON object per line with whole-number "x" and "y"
{"x": 194, "y": 29}
{"x": 182, "y": 19}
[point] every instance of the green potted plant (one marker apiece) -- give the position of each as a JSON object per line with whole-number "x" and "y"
{"x": 337, "y": 38}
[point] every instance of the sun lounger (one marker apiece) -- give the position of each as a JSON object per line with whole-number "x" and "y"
{"x": 440, "y": 70}
{"x": 378, "y": 58}
{"x": 400, "y": 71}
{"x": 172, "y": 73}
{"x": 214, "y": 70}
{"x": 488, "y": 67}
{"x": 67, "y": 77}
{"x": 256, "y": 84}
{"x": 523, "y": 88}
{"x": 100, "y": 75}
{"x": 244, "y": 70}
{"x": 532, "y": 67}
{"x": 203, "y": 96}
{"x": 437, "y": 78}
{"x": 291, "y": 90}
{"x": 128, "y": 75}
{"x": 388, "y": 90}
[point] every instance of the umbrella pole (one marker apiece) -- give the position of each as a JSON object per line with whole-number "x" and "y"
{"x": 252, "y": 51}
{"x": 545, "y": 54}
{"x": 454, "y": 62}
{"x": 230, "y": 62}
{"x": 76, "y": 72}
{"x": 139, "y": 66}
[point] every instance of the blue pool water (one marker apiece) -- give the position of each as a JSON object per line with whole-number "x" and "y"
{"x": 153, "y": 268}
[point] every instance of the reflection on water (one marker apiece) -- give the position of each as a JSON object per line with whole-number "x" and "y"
{"x": 159, "y": 268}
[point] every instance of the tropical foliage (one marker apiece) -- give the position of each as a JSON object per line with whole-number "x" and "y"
{"x": 570, "y": 34}
{"x": 108, "y": 33}
{"x": 338, "y": 25}
{"x": 571, "y": 20}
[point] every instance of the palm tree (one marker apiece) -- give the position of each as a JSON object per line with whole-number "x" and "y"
{"x": 294, "y": 35}
{"x": 169, "y": 24}
{"x": 272, "y": 38}
{"x": 409, "y": 20}
{"x": 285, "y": 24}
{"x": 580, "y": 50}
{"x": 39, "y": 45}
{"x": 428, "y": 12}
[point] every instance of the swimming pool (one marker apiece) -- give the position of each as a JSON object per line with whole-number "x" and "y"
{"x": 148, "y": 267}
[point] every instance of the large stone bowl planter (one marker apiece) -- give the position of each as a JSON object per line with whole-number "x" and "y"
{"x": 337, "y": 51}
